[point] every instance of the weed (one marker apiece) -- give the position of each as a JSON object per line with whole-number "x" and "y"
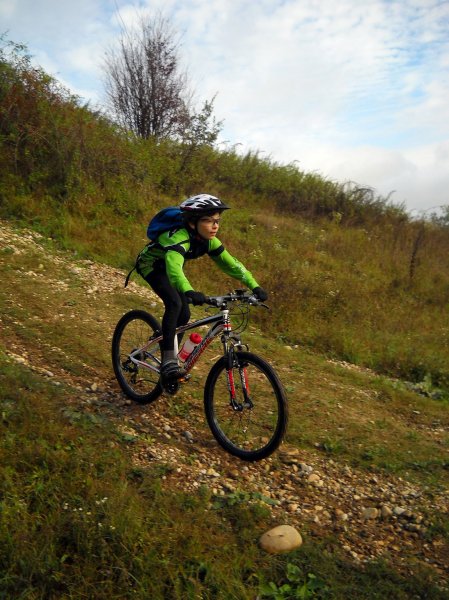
{"x": 240, "y": 497}
{"x": 331, "y": 446}
{"x": 439, "y": 526}
{"x": 296, "y": 586}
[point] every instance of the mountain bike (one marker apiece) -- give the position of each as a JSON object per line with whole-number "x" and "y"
{"x": 244, "y": 400}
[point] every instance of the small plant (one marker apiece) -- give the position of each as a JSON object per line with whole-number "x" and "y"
{"x": 296, "y": 586}
{"x": 330, "y": 446}
{"x": 427, "y": 388}
{"x": 239, "y": 497}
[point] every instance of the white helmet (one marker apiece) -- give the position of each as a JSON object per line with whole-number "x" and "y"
{"x": 201, "y": 204}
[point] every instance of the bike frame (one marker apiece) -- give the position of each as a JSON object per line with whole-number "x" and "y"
{"x": 220, "y": 323}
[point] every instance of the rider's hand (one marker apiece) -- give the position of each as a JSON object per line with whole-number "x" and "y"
{"x": 197, "y": 298}
{"x": 260, "y": 294}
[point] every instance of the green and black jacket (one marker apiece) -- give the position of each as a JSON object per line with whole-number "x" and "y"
{"x": 173, "y": 248}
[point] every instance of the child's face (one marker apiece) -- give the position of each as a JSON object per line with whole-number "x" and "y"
{"x": 207, "y": 227}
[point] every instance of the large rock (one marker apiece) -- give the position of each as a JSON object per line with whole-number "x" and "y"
{"x": 283, "y": 538}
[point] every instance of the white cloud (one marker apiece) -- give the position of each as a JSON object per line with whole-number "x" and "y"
{"x": 7, "y": 8}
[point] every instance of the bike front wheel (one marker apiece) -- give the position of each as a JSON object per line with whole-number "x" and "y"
{"x": 245, "y": 406}
{"x": 132, "y": 339}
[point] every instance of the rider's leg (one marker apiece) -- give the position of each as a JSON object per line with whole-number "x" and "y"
{"x": 184, "y": 316}
{"x": 176, "y": 313}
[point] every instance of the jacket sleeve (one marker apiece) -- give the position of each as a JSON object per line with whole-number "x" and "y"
{"x": 175, "y": 246}
{"x": 174, "y": 262}
{"x": 230, "y": 265}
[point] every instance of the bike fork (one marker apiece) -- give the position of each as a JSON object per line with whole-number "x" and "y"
{"x": 243, "y": 374}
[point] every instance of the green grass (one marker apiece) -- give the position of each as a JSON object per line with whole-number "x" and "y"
{"x": 61, "y": 458}
{"x": 78, "y": 520}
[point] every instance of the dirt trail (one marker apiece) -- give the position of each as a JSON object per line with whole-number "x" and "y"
{"x": 371, "y": 515}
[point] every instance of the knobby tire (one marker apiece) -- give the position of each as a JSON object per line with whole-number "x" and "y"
{"x": 133, "y": 330}
{"x": 254, "y": 432}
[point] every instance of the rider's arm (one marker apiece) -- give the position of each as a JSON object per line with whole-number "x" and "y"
{"x": 176, "y": 246}
{"x": 230, "y": 265}
{"x": 174, "y": 262}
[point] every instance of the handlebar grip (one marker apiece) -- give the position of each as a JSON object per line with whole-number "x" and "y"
{"x": 208, "y": 300}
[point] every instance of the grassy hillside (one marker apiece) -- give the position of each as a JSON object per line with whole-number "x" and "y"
{"x": 349, "y": 274}
{"x": 101, "y": 498}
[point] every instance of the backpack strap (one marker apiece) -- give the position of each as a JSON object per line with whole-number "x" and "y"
{"x": 129, "y": 275}
{"x": 136, "y": 264}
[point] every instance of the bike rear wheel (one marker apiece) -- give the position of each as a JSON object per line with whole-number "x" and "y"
{"x": 132, "y": 333}
{"x": 253, "y": 424}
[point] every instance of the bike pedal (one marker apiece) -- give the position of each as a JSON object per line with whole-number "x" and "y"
{"x": 185, "y": 379}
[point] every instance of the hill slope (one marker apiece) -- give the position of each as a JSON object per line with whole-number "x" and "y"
{"x": 356, "y": 441}
{"x": 349, "y": 274}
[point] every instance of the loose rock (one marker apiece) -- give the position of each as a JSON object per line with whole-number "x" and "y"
{"x": 283, "y": 538}
{"x": 386, "y": 512}
{"x": 369, "y": 514}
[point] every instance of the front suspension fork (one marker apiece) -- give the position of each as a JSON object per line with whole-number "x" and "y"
{"x": 232, "y": 362}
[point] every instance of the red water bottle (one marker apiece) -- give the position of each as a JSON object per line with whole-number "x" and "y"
{"x": 193, "y": 340}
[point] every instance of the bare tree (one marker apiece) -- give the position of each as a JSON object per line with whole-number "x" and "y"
{"x": 145, "y": 85}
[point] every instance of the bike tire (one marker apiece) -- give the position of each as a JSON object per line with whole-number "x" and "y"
{"x": 132, "y": 331}
{"x": 255, "y": 432}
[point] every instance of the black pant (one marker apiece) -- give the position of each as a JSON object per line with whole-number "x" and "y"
{"x": 177, "y": 311}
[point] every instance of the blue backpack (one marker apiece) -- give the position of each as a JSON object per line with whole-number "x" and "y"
{"x": 165, "y": 220}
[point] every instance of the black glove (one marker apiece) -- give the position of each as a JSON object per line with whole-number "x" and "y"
{"x": 197, "y": 298}
{"x": 260, "y": 294}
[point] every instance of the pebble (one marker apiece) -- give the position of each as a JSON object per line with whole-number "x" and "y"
{"x": 314, "y": 478}
{"x": 289, "y": 456}
{"x": 370, "y": 513}
{"x": 414, "y": 527}
{"x": 188, "y": 436}
{"x": 234, "y": 474}
{"x": 340, "y": 515}
{"x": 212, "y": 473}
{"x": 305, "y": 468}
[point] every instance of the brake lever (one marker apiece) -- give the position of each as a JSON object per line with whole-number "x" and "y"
{"x": 214, "y": 301}
{"x": 254, "y": 301}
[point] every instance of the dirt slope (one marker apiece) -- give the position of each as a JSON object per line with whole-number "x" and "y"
{"x": 57, "y": 318}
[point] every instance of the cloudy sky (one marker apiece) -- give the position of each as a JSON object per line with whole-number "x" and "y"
{"x": 355, "y": 90}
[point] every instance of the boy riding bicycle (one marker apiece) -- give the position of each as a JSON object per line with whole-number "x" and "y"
{"x": 161, "y": 265}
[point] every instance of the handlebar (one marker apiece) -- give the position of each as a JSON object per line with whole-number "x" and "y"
{"x": 241, "y": 296}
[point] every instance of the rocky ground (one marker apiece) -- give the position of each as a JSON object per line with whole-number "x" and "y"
{"x": 371, "y": 515}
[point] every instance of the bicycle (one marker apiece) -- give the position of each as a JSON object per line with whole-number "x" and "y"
{"x": 244, "y": 400}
